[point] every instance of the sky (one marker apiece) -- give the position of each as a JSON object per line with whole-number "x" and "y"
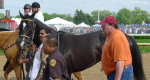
{"x": 70, "y": 6}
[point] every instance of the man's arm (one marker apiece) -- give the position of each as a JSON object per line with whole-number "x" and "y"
{"x": 119, "y": 69}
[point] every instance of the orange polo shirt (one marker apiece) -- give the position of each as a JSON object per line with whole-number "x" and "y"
{"x": 116, "y": 48}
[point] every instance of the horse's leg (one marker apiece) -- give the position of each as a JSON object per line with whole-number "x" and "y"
{"x": 7, "y": 71}
{"x": 78, "y": 75}
{"x": 6, "y": 65}
{"x": 17, "y": 69}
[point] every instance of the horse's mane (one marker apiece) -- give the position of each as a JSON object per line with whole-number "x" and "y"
{"x": 39, "y": 26}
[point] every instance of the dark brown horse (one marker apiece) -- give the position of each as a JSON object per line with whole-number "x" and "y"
{"x": 81, "y": 51}
{"x": 8, "y": 44}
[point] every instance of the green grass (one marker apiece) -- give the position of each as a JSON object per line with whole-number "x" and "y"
{"x": 1, "y": 52}
{"x": 146, "y": 48}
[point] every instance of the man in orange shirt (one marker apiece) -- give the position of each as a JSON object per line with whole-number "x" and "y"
{"x": 116, "y": 57}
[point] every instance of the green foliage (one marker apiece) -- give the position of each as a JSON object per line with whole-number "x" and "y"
{"x": 102, "y": 14}
{"x": 18, "y": 16}
{"x": 1, "y": 52}
{"x": 80, "y": 17}
{"x": 4, "y": 18}
{"x": 139, "y": 15}
{"x": 46, "y": 16}
{"x": 124, "y": 16}
{"x": 2, "y": 15}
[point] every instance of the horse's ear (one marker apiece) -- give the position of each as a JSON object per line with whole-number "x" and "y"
{"x": 32, "y": 16}
{"x": 21, "y": 15}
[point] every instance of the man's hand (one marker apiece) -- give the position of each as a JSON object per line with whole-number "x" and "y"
{"x": 33, "y": 47}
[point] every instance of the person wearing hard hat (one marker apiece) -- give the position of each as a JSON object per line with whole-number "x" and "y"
{"x": 27, "y": 9}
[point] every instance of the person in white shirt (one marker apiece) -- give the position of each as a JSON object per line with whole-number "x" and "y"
{"x": 39, "y": 14}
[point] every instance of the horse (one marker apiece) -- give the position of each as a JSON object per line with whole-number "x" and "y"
{"x": 8, "y": 44}
{"x": 82, "y": 51}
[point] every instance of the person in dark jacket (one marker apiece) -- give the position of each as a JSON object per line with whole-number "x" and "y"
{"x": 55, "y": 68}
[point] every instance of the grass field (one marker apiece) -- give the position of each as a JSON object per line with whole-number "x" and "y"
{"x": 147, "y": 48}
{"x": 1, "y": 51}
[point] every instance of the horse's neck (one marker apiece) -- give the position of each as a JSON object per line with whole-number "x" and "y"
{"x": 8, "y": 38}
{"x": 39, "y": 23}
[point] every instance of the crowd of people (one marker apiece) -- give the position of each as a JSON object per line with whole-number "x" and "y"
{"x": 136, "y": 30}
{"x": 127, "y": 30}
{"x": 80, "y": 30}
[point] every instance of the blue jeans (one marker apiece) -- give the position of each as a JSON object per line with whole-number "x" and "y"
{"x": 126, "y": 75}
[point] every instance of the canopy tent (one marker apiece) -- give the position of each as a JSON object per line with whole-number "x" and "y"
{"x": 121, "y": 26}
{"x": 97, "y": 26}
{"x": 83, "y": 25}
{"x": 148, "y": 24}
{"x": 136, "y": 25}
{"x": 59, "y": 21}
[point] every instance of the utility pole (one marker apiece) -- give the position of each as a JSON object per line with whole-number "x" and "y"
{"x": 98, "y": 11}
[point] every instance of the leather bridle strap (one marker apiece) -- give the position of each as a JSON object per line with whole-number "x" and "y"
{"x": 9, "y": 46}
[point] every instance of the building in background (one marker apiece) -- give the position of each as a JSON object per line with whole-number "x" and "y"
{"x": 1, "y": 4}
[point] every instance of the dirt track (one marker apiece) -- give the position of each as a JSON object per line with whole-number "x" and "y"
{"x": 92, "y": 73}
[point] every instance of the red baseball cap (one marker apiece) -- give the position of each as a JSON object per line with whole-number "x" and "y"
{"x": 108, "y": 19}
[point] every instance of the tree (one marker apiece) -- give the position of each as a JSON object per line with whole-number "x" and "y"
{"x": 46, "y": 16}
{"x": 79, "y": 16}
{"x": 63, "y": 16}
{"x": 124, "y": 16}
{"x": 2, "y": 15}
{"x": 18, "y": 16}
{"x": 102, "y": 14}
{"x": 139, "y": 15}
{"x": 89, "y": 20}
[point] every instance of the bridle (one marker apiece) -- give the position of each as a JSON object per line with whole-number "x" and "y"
{"x": 33, "y": 31}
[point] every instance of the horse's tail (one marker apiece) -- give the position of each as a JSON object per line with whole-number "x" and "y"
{"x": 137, "y": 61}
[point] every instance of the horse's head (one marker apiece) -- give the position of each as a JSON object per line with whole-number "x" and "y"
{"x": 30, "y": 29}
{"x": 27, "y": 30}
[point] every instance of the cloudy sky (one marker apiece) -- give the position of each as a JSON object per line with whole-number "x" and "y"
{"x": 69, "y": 6}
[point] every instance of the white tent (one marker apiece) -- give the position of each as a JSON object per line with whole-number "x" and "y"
{"x": 59, "y": 21}
{"x": 83, "y": 25}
